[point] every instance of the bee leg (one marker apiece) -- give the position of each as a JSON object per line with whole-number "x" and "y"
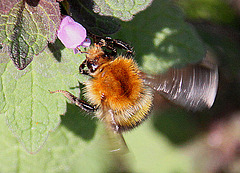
{"x": 118, "y": 43}
{"x": 80, "y": 103}
{"x": 111, "y": 44}
{"x": 124, "y": 45}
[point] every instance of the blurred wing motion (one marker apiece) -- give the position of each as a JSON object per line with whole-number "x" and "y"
{"x": 193, "y": 87}
{"x": 119, "y": 150}
{"x": 116, "y": 142}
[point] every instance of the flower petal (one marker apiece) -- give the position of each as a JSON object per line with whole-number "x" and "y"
{"x": 71, "y": 33}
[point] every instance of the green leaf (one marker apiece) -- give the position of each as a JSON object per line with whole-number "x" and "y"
{"x": 31, "y": 111}
{"x": 82, "y": 12}
{"x": 161, "y": 38}
{"x": 124, "y": 10}
{"x": 27, "y": 27}
{"x": 100, "y": 16}
{"x": 65, "y": 151}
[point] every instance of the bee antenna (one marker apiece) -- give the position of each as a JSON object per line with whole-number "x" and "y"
{"x": 79, "y": 50}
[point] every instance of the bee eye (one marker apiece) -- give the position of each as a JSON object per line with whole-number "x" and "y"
{"x": 92, "y": 65}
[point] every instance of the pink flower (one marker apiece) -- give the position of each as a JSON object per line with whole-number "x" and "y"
{"x": 72, "y": 34}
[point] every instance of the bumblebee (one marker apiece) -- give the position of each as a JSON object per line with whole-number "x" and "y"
{"x": 121, "y": 95}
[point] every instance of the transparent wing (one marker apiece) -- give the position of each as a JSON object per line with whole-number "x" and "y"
{"x": 193, "y": 87}
{"x": 119, "y": 150}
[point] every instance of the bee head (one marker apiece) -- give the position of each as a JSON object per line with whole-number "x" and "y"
{"x": 95, "y": 58}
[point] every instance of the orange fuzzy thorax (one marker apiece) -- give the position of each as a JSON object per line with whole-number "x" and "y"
{"x": 117, "y": 86}
{"x": 94, "y": 51}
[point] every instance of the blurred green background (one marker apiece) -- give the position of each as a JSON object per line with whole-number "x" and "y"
{"x": 175, "y": 140}
{"x": 207, "y": 141}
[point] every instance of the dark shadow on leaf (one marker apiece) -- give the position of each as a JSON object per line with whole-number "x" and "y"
{"x": 79, "y": 122}
{"x": 56, "y": 48}
{"x": 160, "y": 30}
{"x": 33, "y": 3}
{"x": 177, "y": 124}
{"x": 83, "y": 12}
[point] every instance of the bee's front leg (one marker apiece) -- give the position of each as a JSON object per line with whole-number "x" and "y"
{"x": 79, "y": 102}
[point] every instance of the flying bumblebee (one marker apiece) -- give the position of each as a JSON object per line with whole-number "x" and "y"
{"x": 121, "y": 95}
